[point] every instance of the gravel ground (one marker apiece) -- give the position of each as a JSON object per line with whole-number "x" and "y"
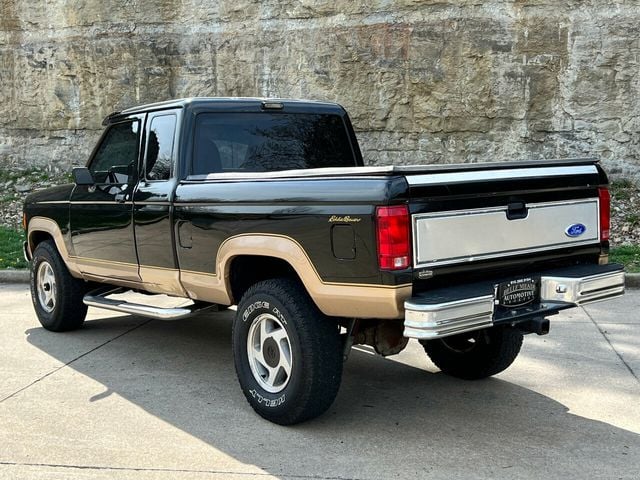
{"x": 12, "y": 213}
{"x": 625, "y": 213}
{"x": 14, "y": 187}
{"x": 625, "y": 208}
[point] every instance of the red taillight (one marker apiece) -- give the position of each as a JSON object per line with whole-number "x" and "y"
{"x": 605, "y": 213}
{"x": 394, "y": 240}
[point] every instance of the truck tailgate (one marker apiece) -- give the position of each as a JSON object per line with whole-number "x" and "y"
{"x": 494, "y": 211}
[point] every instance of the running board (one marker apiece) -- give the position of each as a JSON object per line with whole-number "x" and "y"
{"x": 97, "y": 298}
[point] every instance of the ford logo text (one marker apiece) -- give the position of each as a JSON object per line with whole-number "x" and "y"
{"x": 575, "y": 230}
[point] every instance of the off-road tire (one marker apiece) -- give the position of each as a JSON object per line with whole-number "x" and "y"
{"x": 315, "y": 347}
{"x": 475, "y": 355}
{"x": 67, "y": 311}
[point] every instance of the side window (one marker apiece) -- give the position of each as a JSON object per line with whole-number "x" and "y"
{"x": 116, "y": 158}
{"x": 159, "y": 157}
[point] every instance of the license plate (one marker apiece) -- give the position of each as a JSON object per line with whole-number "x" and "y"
{"x": 517, "y": 293}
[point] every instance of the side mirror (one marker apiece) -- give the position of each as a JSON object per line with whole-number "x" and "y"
{"x": 82, "y": 176}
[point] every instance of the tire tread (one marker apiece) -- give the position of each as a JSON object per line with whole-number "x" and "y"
{"x": 494, "y": 357}
{"x": 70, "y": 311}
{"x": 320, "y": 348}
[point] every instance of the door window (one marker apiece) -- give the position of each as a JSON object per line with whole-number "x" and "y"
{"x": 160, "y": 147}
{"x": 116, "y": 158}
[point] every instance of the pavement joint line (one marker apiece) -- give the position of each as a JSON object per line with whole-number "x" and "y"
{"x": 57, "y": 369}
{"x": 172, "y": 470}
{"x": 611, "y": 345}
{"x": 619, "y": 323}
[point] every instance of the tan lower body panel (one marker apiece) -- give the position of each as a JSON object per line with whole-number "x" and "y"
{"x": 42, "y": 224}
{"x": 162, "y": 280}
{"x": 344, "y": 300}
{"x": 107, "y": 268}
{"x": 333, "y": 299}
{"x": 336, "y": 300}
{"x": 118, "y": 282}
{"x": 151, "y": 279}
{"x": 206, "y": 287}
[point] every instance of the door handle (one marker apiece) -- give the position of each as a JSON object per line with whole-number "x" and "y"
{"x": 121, "y": 197}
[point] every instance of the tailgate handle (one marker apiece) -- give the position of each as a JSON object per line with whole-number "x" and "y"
{"x": 517, "y": 210}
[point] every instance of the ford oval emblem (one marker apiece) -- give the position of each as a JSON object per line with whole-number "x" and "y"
{"x": 575, "y": 230}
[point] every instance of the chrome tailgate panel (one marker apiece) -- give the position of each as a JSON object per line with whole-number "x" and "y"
{"x": 451, "y": 237}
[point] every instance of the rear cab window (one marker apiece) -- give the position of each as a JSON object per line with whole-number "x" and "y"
{"x": 266, "y": 142}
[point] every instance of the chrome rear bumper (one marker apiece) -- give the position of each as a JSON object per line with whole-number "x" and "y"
{"x": 426, "y": 321}
{"x": 580, "y": 291}
{"x": 439, "y": 313}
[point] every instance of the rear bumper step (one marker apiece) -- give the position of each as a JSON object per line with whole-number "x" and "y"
{"x": 97, "y": 298}
{"x": 450, "y": 311}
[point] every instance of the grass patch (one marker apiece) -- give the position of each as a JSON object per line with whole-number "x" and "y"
{"x": 628, "y": 255}
{"x": 11, "y": 248}
{"x": 633, "y": 219}
{"x": 29, "y": 175}
{"x": 622, "y": 189}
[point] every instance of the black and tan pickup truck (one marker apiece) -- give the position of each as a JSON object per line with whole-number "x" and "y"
{"x": 266, "y": 205}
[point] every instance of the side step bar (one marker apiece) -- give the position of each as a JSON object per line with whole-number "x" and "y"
{"x": 97, "y": 298}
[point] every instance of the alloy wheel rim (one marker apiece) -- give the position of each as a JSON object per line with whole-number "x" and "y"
{"x": 46, "y": 287}
{"x": 269, "y": 352}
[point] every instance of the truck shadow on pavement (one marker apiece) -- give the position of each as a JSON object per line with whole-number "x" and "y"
{"x": 390, "y": 420}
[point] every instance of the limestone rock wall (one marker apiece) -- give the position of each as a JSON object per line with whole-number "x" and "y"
{"x": 424, "y": 81}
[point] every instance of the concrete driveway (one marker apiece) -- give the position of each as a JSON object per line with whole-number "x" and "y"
{"x": 126, "y": 397}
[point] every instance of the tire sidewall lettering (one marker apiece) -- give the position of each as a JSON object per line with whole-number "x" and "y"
{"x": 279, "y": 315}
{"x": 263, "y": 305}
{"x": 260, "y": 304}
{"x": 267, "y": 402}
{"x": 264, "y": 399}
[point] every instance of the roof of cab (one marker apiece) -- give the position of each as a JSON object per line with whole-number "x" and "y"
{"x": 225, "y": 103}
